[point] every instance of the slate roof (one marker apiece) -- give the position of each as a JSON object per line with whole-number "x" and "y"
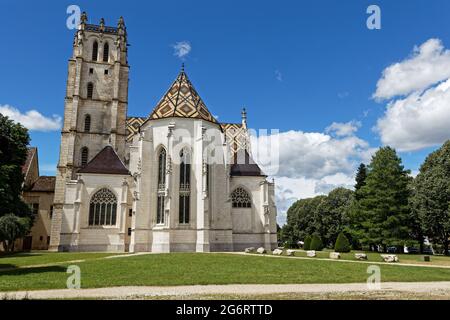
{"x": 245, "y": 166}
{"x": 105, "y": 162}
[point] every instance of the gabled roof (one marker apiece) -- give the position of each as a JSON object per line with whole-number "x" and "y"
{"x": 245, "y": 166}
{"x": 182, "y": 100}
{"x": 44, "y": 184}
{"x": 105, "y": 162}
{"x": 31, "y": 152}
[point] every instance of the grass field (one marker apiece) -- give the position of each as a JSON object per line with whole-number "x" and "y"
{"x": 43, "y": 257}
{"x": 195, "y": 269}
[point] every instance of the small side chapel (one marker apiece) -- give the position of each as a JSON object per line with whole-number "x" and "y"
{"x": 177, "y": 180}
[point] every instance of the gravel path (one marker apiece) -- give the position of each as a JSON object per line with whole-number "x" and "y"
{"x": 248, "y": 289}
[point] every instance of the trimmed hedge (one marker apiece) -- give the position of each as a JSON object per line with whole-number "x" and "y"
{"x": 307, "y": 243}
{"x": 342, "y": 244}
{"x": 316, "y": 243}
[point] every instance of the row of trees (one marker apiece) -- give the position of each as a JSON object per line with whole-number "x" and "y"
{"x": 388, "y": 207}
{"x": 16, "y": 217}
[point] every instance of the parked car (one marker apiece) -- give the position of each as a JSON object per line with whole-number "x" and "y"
{"x": 428, "y": 250}
{"x": 392, "y": 249}
{"x": 411, "y": 250}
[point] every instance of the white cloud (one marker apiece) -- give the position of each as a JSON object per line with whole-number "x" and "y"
{"x": 33, "y": 120}
{"x": 419, "y": 88}
{"x": 309, "y": 163}
{"x": 343, "y": 129}
{"x": 429, "y": 63}
{"x": 182, "y": 49}
{"x": 417, "y": 121}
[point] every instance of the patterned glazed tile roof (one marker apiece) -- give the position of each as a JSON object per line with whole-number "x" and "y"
{"x": 105, "y": 162}
{"x": 44, "y": 184}
{"x": 132, "y": 126}
{"x": 237, "y": 136}
{"x": 182, "y": 100}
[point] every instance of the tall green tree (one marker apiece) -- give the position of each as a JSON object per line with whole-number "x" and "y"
{"x": 361, "y": 175}
{"x": 14, "y": 140}
{"x": 382, "y": 211}
{"x": 12, "y": 228}
{"x": 325, "y": 216}
{"x": 431, "y": 200}
{"x": 333, "y": 214}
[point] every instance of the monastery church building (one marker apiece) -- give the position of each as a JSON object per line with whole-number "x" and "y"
{"x": 175, "y": 181}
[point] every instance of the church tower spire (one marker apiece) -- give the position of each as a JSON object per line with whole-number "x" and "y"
{"x": 95, "y": 107}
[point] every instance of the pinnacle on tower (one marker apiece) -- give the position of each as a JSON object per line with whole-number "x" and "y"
{"x": 244, "y": 117}
{"x": 83, "y": 20}
{"x": 121, "y": 23}
{"x": 102, "y": 24}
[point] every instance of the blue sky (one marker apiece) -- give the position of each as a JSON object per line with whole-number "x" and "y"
{"x": 298, "y": 66}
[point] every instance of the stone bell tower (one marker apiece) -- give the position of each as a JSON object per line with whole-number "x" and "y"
{"x": 96, "y": 104}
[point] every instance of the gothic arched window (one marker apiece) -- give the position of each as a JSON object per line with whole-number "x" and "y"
{"x": 90, "y": 90}
{"x": 241, "y": 199}
{"x": 94, "y": 51}
{"x": 84, "y": 156}
{"x": 87, "y": 123}
{"x": 103, "y": 208}
{"x": 185, "y": 189}
{"x": 106, "y": 52}
{"x": 161, "y": 186}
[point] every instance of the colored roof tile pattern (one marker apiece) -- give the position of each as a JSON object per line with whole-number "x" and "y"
{"x": 132, "y": 126}
{"x": 182, "y": 100}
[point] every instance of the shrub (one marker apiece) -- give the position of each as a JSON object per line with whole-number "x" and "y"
{"x": 342, "y": 244}
{"x": 307, "y": 243}
{"x": 316, "y": 243}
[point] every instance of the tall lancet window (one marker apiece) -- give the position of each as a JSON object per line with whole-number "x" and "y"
{"x": 161, "y": 186}
{"x": 90, "y": 90}
{"x": 84, "y": 156}
{"x": 94, "y": 51}
{"x": 87, "y": 123}
{"x": 106, "y": 52}
{"x": 185, "y": 186}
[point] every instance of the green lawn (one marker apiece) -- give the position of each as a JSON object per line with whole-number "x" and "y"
{"x": 375, "y": 257}
{"x": 15, "y": 260}
{"x": 196, "y": 269}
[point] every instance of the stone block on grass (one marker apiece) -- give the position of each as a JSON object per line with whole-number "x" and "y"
{"x": 311, "y": 253}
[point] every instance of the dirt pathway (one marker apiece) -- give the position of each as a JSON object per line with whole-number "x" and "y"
{"x": 442, "y": 288}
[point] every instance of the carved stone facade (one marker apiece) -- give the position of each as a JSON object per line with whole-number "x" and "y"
{"x": 169, "y": 177}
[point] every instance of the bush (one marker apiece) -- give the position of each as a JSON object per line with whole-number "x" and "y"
{"x": 316, "y": 243}
{"x": 307, "y": 243}
{"x": 342, "y": 244}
